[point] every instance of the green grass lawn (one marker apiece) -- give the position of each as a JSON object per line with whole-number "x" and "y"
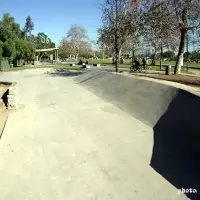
{"x": 108, "y": 62}
{"x": 127, "y": 64}
{"x": 105, "y": 62}
{"x": 157, "y": 68}
{"x": 42, "y": 67}
{"x": 172, "y": 63}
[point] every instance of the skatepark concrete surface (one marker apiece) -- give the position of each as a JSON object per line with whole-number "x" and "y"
{"x": 72, "y": 140}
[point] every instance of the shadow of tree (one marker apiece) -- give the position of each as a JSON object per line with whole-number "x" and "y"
{"x": 176, "y": 151}
{"x": 152, "y": 72}
{"x": 65, "y": 73}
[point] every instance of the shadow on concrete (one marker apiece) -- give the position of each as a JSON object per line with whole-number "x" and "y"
{"x": 176, "y": 151}
{"x": 65, "y": 73}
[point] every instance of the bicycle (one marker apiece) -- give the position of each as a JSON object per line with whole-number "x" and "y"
{"x": 134, "y": 68}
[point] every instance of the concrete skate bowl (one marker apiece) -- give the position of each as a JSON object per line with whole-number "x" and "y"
{"x": 174, "y": 115}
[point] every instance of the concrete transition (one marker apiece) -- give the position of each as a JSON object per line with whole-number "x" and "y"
{"x": 171, "y": 112}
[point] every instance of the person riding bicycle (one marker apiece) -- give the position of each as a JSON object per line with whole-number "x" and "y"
{"x": 136, "y": 64}
{"x": 144, "y": 63}
{"x": 80, "y": 62}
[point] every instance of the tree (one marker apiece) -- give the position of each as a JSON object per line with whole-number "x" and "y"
{"x": 64, "y": 49}
{"x": 118, "y": 24}
{"x": 76, "y": 36}
{"x": 76, "y": 43}
{"x": 131, "y": 45}
{"x": 106, "y": 41}
{"x": 9, "y": 33}
{"x": 194, "y": 56}
{"x": 158, "y": 27}
{"x": 14, "y": 46}
{"x": 169, "y": 55}
{"x": 24, "y": 50}
{"x": 187, "y": 15}
{"x": 29, "y": 26}
{"x": 1, "y": 50}
{"x": 9, "y": 29}
{"x": 105, "y": 48}
{"x": 42, "y": 41}
{"x": 86, "y": 49}
{"x": 8, "y": 49}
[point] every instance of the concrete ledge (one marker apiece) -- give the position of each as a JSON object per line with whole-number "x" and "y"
{"x": 12, "y": 96}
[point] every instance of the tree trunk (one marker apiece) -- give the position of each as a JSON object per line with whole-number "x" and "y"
{"x": 76, "y": 57}
{"x": 133, "y": 55}
{"x": 153, "y": 62}
{"x": 120, "y": 52}
{"x": 161, "y": 55}
{"x": 103, "y": 55}
{"x": 179, "y": 62}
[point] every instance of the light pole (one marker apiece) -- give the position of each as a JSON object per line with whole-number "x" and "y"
{"x": 161, "y": 53}
{"x": 187, "y": 50}
{"x": 187, "y": 42}
{"x": 161, "y": 48}
{"x": 116, "y": 36}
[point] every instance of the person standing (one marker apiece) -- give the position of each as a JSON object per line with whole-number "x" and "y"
{"x": 144, "y": 63}
{"x": 121, "y": 60}
{"x": 113, "y": 60}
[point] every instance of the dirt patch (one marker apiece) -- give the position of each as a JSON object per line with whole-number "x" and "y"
{"x": 195, "y": 89}
{"x": 3, "y": 120}
{"x": 183, "y": 79}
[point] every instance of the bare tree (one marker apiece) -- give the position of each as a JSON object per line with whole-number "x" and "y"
{"x": 69, "y": 47}
{"x": 118, "y": 24}
{"x": 85, "y": 49}
{"x": 76, "y": 36}
{"x": 158, "y": 27}
{"x": 187, "y": 13}
{"x": 65, "y": 49}
{"x": 132, "y": 44}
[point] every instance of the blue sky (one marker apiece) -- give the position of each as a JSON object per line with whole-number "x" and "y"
{"x": 56, "y": 16}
